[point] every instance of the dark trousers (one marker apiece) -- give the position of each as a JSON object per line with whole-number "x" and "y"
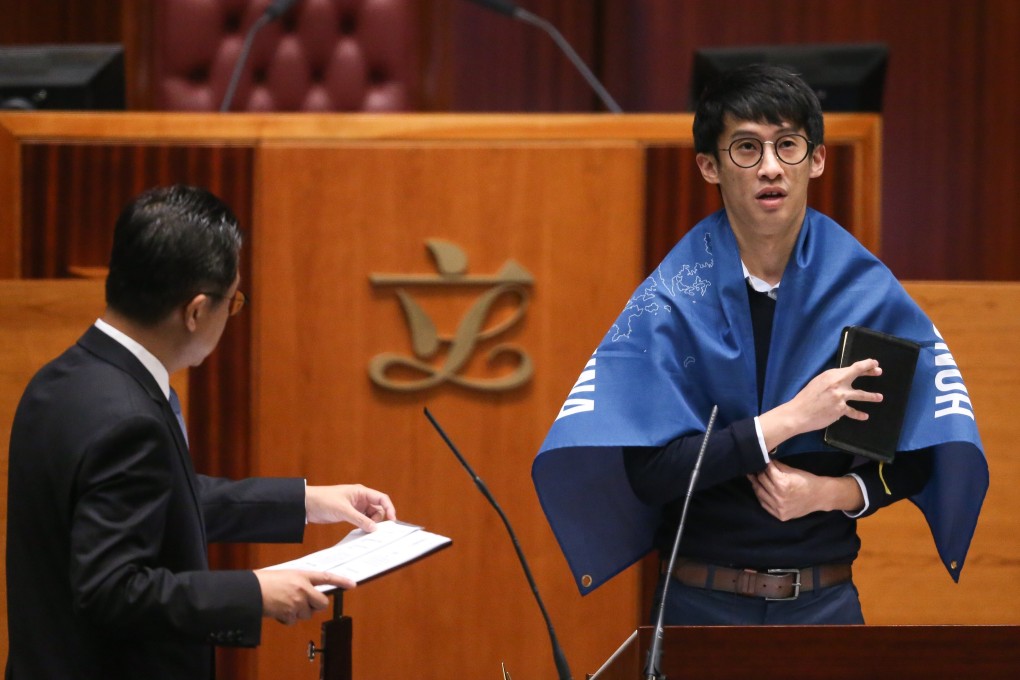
{"x": 689, "y": 606}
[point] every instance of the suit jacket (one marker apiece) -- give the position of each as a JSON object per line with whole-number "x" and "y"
{"x": 107, "y": 526}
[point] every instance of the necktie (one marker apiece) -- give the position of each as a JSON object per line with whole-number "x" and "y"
{"x": 175, "y": 406}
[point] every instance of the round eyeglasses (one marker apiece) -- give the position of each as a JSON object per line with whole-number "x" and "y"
{"x": 237, "y": 301}
{"x": 747, "y": 152}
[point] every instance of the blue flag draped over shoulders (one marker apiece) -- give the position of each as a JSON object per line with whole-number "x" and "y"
{"x": 684, "y": 343}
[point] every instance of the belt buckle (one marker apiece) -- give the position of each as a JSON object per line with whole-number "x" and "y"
{"x": 795, "y": 573}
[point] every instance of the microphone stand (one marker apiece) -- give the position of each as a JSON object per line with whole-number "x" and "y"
{"x": 275, "y": 9}
{"x": 510, "y": 9}
{"x": 535, "y": 20}
{"x": 559, "y": 658}
{"x": 337, "y": 636}
{"x": 235, "y": 77}
{"x": 655, "y": 651}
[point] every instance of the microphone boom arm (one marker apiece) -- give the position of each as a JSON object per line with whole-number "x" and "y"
{"x": 510, "y": 9}
{"x": 560, "y": 659}
{"x": 274, "y": 11}
{"x": 535, "y": 20}
{"x": 655, "y": 651}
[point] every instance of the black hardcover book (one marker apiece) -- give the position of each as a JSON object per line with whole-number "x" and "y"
{"x": 878, "y": 436}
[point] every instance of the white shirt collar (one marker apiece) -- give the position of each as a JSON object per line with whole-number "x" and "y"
{"x": 760, "y": 285}
{"x": 151, "y": 363}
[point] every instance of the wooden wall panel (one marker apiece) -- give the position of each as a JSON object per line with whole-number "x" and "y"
{"x": 994, "y": 232}
{"x": 832, "y": 652}
{"x": 74, "y": 192}
{"x": 898, "y": 573}
{"x": 63, "y": 21}
{"x": 568, "y": 213}
{"x": 10, "y": 204}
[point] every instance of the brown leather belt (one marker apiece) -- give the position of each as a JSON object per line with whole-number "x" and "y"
{"x": 771, "y": 584}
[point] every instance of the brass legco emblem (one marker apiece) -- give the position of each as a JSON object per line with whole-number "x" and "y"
{"x": 422, "y": 370}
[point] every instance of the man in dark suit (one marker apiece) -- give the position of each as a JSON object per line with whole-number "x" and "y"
{"x": 107, "y": 575}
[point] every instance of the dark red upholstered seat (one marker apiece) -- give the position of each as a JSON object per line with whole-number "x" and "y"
{"x": 322, "y": 55}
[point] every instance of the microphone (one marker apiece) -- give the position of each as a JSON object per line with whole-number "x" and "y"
{"x": 521, "y": 14}
{"x": 272, "y": 12}
{"x": 560, "y": 659}
{"x": 655, "y": 651}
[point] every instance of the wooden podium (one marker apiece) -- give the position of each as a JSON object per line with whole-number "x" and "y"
{"x": 830, "y": 652}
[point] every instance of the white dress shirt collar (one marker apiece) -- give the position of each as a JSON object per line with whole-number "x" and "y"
{"x": 760, "y": 285}
{"x": 151, "y": 363}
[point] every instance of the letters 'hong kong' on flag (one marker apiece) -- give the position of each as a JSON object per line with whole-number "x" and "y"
{"x": 684, "y": 343}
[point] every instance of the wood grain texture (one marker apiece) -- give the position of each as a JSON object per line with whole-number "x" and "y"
{"x": 63, "y": 21}
{"x": 73, "y": 191}
{"x": 10, "y": 205}
{"x": 898, "y": 572}
{"x": 569, "y": 213}
{"x": 834, "y": 652}
{"x": 242, "y": 128}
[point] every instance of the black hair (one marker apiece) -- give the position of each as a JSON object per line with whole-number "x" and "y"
{"x": 760, "y": 93}
{"x": 170, "y": 244}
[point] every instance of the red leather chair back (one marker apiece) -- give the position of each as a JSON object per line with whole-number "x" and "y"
{"x": 321, "y": 55}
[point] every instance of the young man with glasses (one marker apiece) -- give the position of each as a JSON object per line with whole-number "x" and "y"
{"x": 107, "y": 525}
{"x": 745, "y": 313}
